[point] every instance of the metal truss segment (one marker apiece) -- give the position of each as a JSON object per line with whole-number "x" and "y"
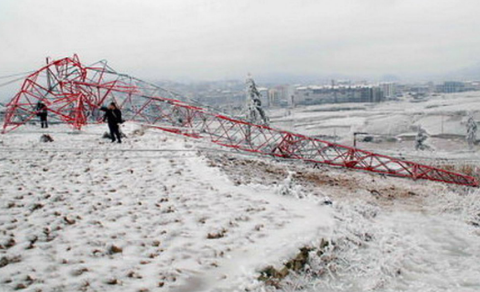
{"x": 74, "y": 93}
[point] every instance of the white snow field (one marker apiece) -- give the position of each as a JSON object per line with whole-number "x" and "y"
{"x": 433, "y": 248}
{"x": 165, "y": 213}
{"x": 83, "y": 214}
{"x": 442, "y": 115}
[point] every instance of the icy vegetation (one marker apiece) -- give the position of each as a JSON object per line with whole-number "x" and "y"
{"x": 374, "y": 250}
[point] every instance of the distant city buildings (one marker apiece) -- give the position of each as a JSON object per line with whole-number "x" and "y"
{"x": 229, "y": 95}
{"x": 281, "y": 95}
{"x": 452, "y": 87}
{"x": 417, "y": 90}
{"x": 389, "y": 90}
{"x": 472, "y": 86}
{"x": 308, "y": 95}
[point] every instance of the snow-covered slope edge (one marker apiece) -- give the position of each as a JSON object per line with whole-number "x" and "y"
{"x": 390, "y": 234}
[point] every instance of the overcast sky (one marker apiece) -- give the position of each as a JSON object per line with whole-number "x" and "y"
{"x": 219, "y": 39}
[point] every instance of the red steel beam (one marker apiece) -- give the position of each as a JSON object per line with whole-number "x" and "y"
{"x": 73, "y": 94}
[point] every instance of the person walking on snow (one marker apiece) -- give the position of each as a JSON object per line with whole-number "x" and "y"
{"x": 42, "y": 112}
{"x": 113, "y": 116}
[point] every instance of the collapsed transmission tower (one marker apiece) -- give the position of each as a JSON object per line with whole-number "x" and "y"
{"x": 73, "y": 94}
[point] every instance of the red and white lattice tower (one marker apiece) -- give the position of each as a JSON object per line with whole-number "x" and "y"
{"x": 73, "y": 94}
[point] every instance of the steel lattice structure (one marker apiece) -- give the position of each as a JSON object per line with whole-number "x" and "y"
{"x": 73, "y": 94}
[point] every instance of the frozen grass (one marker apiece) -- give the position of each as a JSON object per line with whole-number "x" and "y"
{"x": 373, "y": 249}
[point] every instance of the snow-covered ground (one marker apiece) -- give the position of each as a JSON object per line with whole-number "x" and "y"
{"x": 433, "y": 248}
{"x": 389, "y": 234}
{"x": 392, "y": 126}
{"x": 428, "y": 244}
{"x": 165, "y": 213}
{"x": 443, "y": 115}
{"x": 82, "y": 214}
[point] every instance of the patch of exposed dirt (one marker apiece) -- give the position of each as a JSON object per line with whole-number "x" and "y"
{"x": 319, "y": 180}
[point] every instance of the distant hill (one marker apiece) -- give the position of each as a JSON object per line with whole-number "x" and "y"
{"x": 467, "y": 73}
{"x": 287, "y": 78}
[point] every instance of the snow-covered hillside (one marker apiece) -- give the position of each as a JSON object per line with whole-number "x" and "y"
{"x": 82, "y": 214}
{"x": 165, "y": 213}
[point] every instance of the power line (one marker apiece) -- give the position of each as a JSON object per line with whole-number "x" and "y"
{"x": 17, "y": 74}
{"x": 10, "y": 82}
{"x": 97, "y": 158}
{"x": 5, "y": 149}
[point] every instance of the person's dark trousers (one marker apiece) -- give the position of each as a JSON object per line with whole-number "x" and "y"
{"x": 115, "y": 132}
{"x": 43, "y": 122}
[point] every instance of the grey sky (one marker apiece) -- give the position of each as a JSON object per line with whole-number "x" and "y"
{"x": 218, "y": 39}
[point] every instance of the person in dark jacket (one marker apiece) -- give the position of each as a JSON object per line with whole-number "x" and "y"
{"x": 113, "y": 116}
{"x": 42, "y": 112}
